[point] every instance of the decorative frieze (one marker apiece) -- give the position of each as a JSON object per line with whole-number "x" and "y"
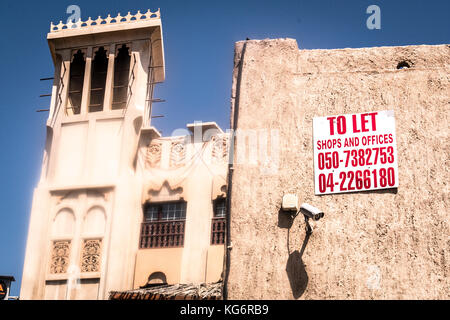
{"x": 60, "y": 256}
{"x": 91, "y": 255}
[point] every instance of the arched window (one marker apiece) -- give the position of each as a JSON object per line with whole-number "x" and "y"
{"x": 157, "y": 278}
{"x": 76, "y": 80}
{"x": 94, "y": 222}
{"x": 64, "y": 224}
{"x": 121, "y": 76}
{"x": 92, "y": 243}
{"x": 63, "y": 228}
{"x": 98, "y": 80}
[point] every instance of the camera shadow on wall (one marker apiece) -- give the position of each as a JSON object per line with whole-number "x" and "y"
{"x": 295, "y": 268}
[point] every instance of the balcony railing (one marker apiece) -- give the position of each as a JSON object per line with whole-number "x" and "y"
{"x": 218, "y": 231}
{"x": 162, "y": 234}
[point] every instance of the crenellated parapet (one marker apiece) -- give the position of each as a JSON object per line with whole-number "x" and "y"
{"x": 129, "y": 18}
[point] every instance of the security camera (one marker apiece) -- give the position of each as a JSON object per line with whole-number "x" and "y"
{"x": 311, "y": 212}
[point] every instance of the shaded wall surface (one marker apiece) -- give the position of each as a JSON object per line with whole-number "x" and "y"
{"x": 391, "y": 244}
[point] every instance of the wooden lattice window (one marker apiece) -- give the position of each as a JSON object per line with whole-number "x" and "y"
{"x": 163, "y": 225}
{"x": 218, "y": 223}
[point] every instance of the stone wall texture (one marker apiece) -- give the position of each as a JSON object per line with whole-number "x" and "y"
{"x": 391, "y": 244}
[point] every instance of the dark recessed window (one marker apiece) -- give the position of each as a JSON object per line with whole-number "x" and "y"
{"x": 165, "y": 211}
{"x": 220, "y": 208}
{"x": 121, "y": 76}
{"x": 98, "y": 80}
{"x": 76, "y": 80}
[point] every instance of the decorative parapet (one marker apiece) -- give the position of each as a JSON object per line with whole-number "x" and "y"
{"x": 129, "y": 18}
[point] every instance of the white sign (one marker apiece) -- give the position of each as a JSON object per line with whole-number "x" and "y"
{"x": 355, "y": 152}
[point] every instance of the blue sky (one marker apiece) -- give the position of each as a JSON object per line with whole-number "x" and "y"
{"x": 199, "y": 39}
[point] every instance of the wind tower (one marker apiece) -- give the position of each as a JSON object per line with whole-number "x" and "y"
{"x": 86, "y": 211}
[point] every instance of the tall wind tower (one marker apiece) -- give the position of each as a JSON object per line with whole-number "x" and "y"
{"x": 86, "y": 210}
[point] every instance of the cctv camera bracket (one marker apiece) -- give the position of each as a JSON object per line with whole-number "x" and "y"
{"x": 308, "y": 227}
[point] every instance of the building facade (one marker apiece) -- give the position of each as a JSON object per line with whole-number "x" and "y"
{"x": 383, "y": 244}
{"x": 118, "y": 206}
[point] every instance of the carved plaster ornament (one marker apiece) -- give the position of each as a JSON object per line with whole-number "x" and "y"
{"x": 153, "y": 155}
{"x": 220, "y": 148}
{"x": 60, "y": 256}
{"x": 177, "y": 154}
{"x": 91, "y": 255}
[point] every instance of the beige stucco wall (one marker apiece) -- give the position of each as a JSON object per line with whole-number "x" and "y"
{"x": 165, "y": 260}
{"x": 398, "y": 239}
{"x": 214, "y": 263}
{"x": 169, "y": 261}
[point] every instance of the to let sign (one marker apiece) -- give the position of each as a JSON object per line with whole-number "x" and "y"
{"x": 355, "y": 152}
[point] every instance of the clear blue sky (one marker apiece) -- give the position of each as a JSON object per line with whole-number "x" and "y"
{"x": 199, "y": 39}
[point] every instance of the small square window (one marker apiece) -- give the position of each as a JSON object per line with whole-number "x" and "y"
{"x": 220, "y": 207}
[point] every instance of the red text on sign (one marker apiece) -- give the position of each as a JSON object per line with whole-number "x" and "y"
{"x": 363, "y": 122}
